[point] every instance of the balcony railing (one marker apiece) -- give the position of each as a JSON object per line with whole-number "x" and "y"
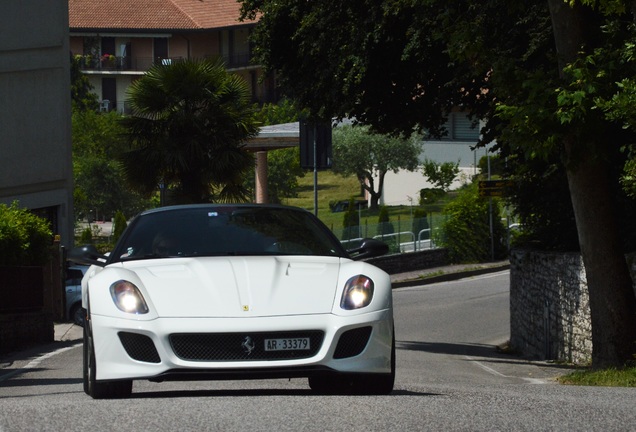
{"x": 141, "y": 64}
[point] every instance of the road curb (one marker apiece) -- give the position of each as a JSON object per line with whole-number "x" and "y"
{"x": 449, "y": 276}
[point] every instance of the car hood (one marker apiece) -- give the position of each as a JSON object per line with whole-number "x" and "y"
{"x": 239, "y": 286}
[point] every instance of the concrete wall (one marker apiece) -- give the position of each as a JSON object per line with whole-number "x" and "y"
{"x": 549, "y": 306}
{"x": 35, "y": 113}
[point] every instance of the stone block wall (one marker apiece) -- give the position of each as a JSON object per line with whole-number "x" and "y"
{"x": 20, "y": 330}
{"x": 549, "y": 306}
{"x": 32, "y": 300}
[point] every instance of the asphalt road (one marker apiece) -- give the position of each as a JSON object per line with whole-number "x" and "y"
{"x": 449, "y": 377}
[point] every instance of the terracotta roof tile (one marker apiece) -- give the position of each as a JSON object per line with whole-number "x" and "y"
{"x": 153, "y": 14}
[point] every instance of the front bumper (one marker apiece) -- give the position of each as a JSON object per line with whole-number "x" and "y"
{"x": 114, "y": 360}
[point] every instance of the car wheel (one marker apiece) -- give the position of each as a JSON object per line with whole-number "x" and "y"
{"x": 99, "y": 389}
{"x": 324, "y": 384}
{"x": 356, "y": 384}
{"x": 85, "y": 366}
{"x": 381, "y": 384}
{"x": 78, "y": 314}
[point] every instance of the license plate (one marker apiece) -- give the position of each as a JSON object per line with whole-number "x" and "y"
{"x": 287, "y": 344}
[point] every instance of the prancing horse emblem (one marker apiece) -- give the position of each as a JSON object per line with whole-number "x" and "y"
{"x": 248, "y": 345}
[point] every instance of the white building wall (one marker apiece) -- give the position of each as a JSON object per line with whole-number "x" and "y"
{"x": 404, "y": 186}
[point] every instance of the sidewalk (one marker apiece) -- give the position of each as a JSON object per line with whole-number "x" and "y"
{"x": 65, "y": 332}
{"x": 446, "y": 273}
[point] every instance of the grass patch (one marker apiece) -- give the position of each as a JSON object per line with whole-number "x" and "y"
{"x": 333, "y": 187}
{"x": 625, "y": 377}
{"x": 432, "y": 274}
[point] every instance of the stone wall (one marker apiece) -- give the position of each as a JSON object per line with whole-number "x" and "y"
{"x": 18, "y": 331}
{"x": 549, "y": 306}
{"x": 32, "y": 300}
{"x": 406, "y": 262}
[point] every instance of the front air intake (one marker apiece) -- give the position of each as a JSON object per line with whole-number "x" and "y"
{"x": 139, "y": 347}
{"x": 352, "y": 342}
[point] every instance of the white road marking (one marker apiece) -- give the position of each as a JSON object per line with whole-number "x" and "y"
{"x": 499, "y": 374}
{"x": 35, "y": 362}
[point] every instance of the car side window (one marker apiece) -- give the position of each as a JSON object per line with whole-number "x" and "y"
{"x": 74, "y": 277}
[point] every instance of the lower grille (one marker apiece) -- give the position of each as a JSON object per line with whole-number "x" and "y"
{"x": 352, "y": 342}
{"x": 242, "y": 346}
{"x": 139, "y": 347}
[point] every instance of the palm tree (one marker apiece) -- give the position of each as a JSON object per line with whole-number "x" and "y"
{"x": 189, "y": 120}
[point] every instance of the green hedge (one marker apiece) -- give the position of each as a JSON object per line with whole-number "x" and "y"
{"x": 465, "y": 231}
{"x": 24, "y": 237}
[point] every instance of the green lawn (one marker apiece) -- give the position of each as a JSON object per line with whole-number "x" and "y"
{"x": 607, "y": 378}
{"x": 332, "y": 187}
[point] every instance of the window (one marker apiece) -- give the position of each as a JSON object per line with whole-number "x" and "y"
{"x": 460, "y": 128}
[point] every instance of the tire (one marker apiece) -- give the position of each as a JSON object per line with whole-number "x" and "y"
{"x": 78, "y": 314}
{"x": 85, "y": 366}
{"x": 382, "y": 384}
{"x": 356, "y": 384}
{"x": 92, "y": 387}
{"x": 326, "y": 384}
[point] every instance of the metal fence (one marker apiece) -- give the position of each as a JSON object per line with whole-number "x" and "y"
{"x": 401, "y": 234}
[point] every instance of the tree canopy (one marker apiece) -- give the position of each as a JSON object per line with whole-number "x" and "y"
{"x": 189, "y": 120}
{"x": 552, "y": 80}
{"x": 100, "y": 184}
{"x": 82, "y": 96}
{"x": 441, "y": 174}
{"x": 367, "y": 155}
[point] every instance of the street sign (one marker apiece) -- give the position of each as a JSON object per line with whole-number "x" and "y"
{"x": 493, "y": 188}
{"x": 321, "y": 146}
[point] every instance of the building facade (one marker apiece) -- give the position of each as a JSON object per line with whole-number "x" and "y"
{"x": 35, "y": 116}
{"x": 117, "y": 41}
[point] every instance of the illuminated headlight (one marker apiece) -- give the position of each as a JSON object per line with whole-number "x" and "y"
{"x": 128, "y": 298}
{"x": 357, "y": 293}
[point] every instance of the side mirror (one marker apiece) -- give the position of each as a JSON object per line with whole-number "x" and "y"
{"x": 369, "y": 248}
{"x": 87, "y": 254}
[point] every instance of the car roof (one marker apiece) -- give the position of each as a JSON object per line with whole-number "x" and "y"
{"x": 83, "y": 268}
{"x": 214, "y": 205}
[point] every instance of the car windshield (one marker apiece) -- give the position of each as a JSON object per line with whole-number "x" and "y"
{"x": 195, "y": 231}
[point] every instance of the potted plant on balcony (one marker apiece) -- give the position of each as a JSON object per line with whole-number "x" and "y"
{"x": 108, "y": 61}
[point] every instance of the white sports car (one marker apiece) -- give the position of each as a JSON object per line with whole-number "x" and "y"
{"x": 203, "y": 292}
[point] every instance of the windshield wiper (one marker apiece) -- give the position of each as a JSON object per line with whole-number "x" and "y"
{"x": 148, "y": 256}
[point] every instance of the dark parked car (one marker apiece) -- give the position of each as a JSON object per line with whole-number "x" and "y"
{"x": 73, "y": 289}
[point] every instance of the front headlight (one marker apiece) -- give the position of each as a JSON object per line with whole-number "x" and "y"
{"x": 128, "y": 298}
{"x": 357, "y": 293}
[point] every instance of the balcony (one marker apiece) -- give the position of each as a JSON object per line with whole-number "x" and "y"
{"x": 110, "y": 63}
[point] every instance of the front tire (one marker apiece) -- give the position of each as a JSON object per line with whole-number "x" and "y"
{"x": 78, "y": 314}
{"x": 356, "y": 384}
{"x": 99, "y": 389}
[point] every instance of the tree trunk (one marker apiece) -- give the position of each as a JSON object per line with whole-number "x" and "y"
{"x": 612, "y": 301}
{"x": 374, "y": 197}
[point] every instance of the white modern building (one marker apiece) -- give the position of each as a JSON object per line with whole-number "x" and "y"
{"x": 403, "y": 187}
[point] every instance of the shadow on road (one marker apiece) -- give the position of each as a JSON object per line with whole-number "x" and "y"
{"x": 255, "y": 392}
{"x": 491, "y": 352}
